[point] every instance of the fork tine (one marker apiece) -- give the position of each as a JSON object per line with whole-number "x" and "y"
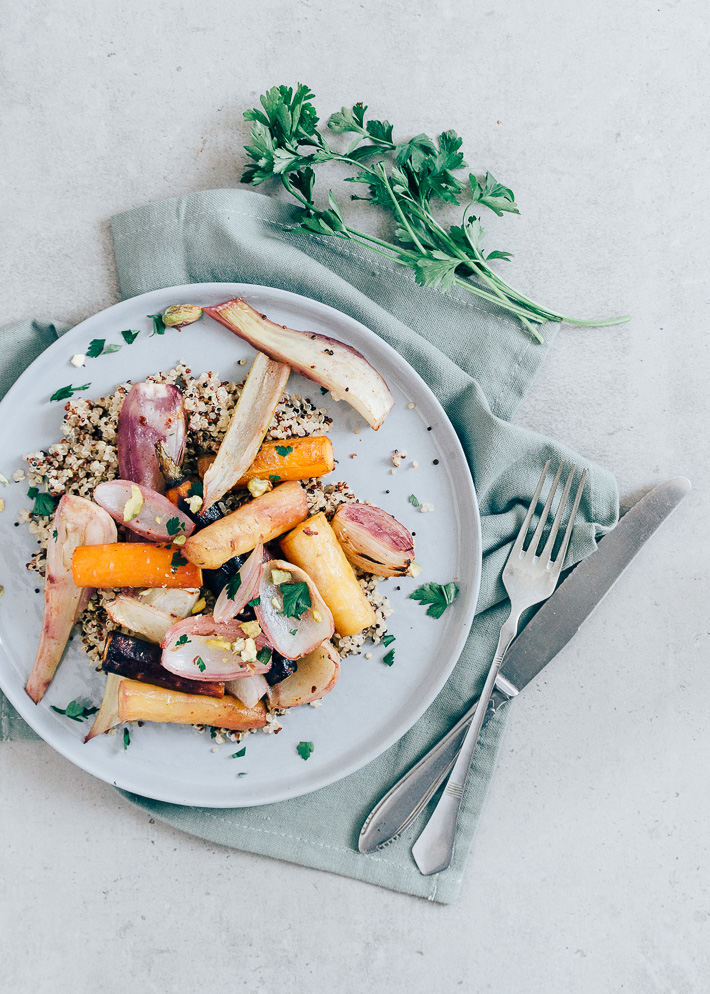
{"x": 559, "y": 562}
{"x": 518, "y": 544}
{"x": 546, "y": 553}
{"x": 532, "y": 548}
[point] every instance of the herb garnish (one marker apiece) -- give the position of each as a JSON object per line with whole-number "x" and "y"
{"x": 99, "y": 347}
{"x": 274, "y": 478}
{"x": 55, "y": 534}
{"x": 183, "y": 640}
{"x": 304, "y": 749}
{"x": 196, "y": 489}
{"x": 414, "y": 501}
{"x": 388, "y": 658}
{"x": 324, "y": 390}
{"x": 297, "y": 598}
{"x": 126, "y": 739}
{"x": 264, "y": 655}
{"x": 177, "y": 560}
{"x": 233, "y": 584}
{"x": 64, "y": 393}
{"x": 254, "y": 603}
{"x": 130, "y": 336}
{"x": 75, "y": 710}
{"x": 284, "y": 450}
{"x": 409, "y": 178}
{"x": 238, "y": 755}
{"x": 388, "y": 639}
{"x": 158, "y": 325}
{"x": 200, "y": 664}
{"x": 45, "y": 504}
{"x": 174, "y": 525}
{"x": 437, "y": 595}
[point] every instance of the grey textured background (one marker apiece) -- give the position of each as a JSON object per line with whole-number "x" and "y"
{"x": 590, "y": 870}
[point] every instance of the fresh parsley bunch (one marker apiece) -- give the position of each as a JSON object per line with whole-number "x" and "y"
{"x": 410, "y": 178}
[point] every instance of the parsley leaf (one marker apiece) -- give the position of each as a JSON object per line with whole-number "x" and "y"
{"x": 174, "y": 525}
{"x": 55, "y": 534}
{"x": 388, "y": 658}
{"x": 284, "y": 450}
{"x": 233, "y": 584}
{"x": 183, "y": 640}
{"x": 158, "y": 325}
{"x": 197, "y": 489}
{"x": 177, "y": 560}
{"x": 64, "y": 393}
{"x": 255, "y": 602}
{"x": 274, "y": 478}
{"x": 297, "y": 598}
{"x": 99, "y": 347}
{"x": 130, "y": 336}
{"x": 200, "y": 664}
{"x": 238, "y": 755}
{"x": 293, "y": 631}
{"x": 126, "y": 739}
{"x": 413, "y": 500}
{"x": 388, "y": 639}
{"x": 75, "y": 710}
{"x": 304, "y": 749}
{"x": 264, "y": 655}
{"x": 45, "y": 504}
{"x": 324, "y": 390}
{"x": 438, "y": 596}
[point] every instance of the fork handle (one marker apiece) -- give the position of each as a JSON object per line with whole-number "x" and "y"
{"x": 434, "y": 849}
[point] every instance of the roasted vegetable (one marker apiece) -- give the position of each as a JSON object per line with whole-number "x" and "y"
{"x": 143, "y": 618}
{"x": 201, "y": 649}
{"x": 150, "y": 412}
{"x": 373, "y": 540}
{"x": 280, "y": 668}
{"x": 143, "y": 702}
{"x": 248, "y": 690}
{"x": 241, "y": 588}
{"x": 138, "y": 660}
{"x": 77, "y": 522}
{"x": 124, "y": 564}
{"x": 315, "y": 677}
{"x": 108, "y": 712}
{"x": 312, "y": 545}
{"x": 293, "y": 616}
{"x": 151, "y": 515}
{"x": 284, "y": 459}
{"x": 336, "y": 366}
{"x": 250, "y": 421}
{"x": 258, "y": 521}
{"x": 184, "y": 490}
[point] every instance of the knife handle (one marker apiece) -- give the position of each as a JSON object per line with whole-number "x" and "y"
{"x": 401, "y": 805}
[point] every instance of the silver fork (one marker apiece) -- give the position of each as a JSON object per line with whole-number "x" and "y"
{"x": 528, "y": 578}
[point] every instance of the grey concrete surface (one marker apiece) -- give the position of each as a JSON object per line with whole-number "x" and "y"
{"x": 590, "y": 870}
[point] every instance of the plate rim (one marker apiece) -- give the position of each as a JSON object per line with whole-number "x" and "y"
{"x": 26, "y": 708}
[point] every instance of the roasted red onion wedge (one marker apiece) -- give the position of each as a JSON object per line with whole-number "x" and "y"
{"x": 201, "y": 649}
{"x": 236, "y": 593}
{"x": 315, "y": 677}
{"x": 144, "y": 511}
{"x": 373, "y": 540}
{"x": 251, "y": 418}
{"x": 332, "y": 364}
{"x": 249, "y": 691}
{"x": 150, "y": 412}
{"x": 280, "y": 602}
{"x": 76, "y": 522}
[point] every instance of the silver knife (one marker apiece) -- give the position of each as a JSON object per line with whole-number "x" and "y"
{"x": 540, "y": 641}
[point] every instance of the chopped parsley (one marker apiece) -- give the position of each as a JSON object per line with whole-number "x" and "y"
{"x": 129, "y": 336}
{"x": 99, "y": 347}
{"x": 297, "y": 598}
{"x": 242, "y": 774}
{"x": 174, "y": 525}
{"x": 196, "y": 489}
{"x": 437, "y": 595}
{"x": 75, "y": 710}
{"x": 323, "y": 390}
{"x": 274, "y": 478}
{"x": 64, "y": 393}
{"x": 126, "y": 739}
{"x": 284, "y": 450}
{"x": 238, "y": 755}
{"x": 183, "y": 640}
{"x": 158, "y": 325}
{"x": 55, "y": 534}
{"x": 388, "y": 658}
{"x": 45, "y": 504}
{"x": 177, "y": 560}
{"x": 293, "y": 631}
{"x": 232, "y": 586}
{"x": 388, "y": 639}
{"x": 414, "y": 501}
{"x": 254, "y": 603}
{"x": 304, "y": 749}
{"x": 264, "y": 655}
{"x": 200, "y": 664}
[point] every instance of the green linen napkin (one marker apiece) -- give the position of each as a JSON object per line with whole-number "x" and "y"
{"x": 478, "y": 362}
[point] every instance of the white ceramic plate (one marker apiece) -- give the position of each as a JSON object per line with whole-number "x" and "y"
{"x": 373, "y": 705}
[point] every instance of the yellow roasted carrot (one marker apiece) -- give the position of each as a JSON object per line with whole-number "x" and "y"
{"x": 144, "y": 702}
{"x": 133, "y": 564}
{"x": 303, "y": 458}
{"x": 241, "y": 531}
{"x": 312, "y": 545}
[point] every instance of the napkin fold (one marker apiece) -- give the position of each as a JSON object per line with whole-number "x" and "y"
{"x": 479, "y": 363}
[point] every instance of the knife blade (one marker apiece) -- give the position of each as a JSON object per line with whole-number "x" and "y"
{"x": 552, "y": 627}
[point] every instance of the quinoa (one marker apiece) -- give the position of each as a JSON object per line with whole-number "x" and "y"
{"x": 87, "y": 456}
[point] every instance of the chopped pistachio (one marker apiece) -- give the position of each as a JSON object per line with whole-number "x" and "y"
{"x": 249, "y": 651}
{"x": 194, "y": 503}
{"x": 178, "y": 315}
{"x": 317, "y": 616}
{"x": 279, "y": 576}
{"x": 134, "y": 504}
{"x": 218, "y": 644}
{"x": 238, "y": 645}
{"x": 179, "y": 540}
{"x": 2, "y": 504}
{"x": 257, "y": 487}
{"x": 414, "y": 568}
{"x": 4, "y": 480}
{"x": 78, "y": 360}
{"x": 251, "y": 628}
{"x": 199, "y": 606}
{"x": 275, "y": 603}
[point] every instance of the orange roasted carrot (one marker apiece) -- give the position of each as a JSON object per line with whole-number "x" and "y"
{"x": 133, "y": 564}
{"x": 299, "y": 459}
